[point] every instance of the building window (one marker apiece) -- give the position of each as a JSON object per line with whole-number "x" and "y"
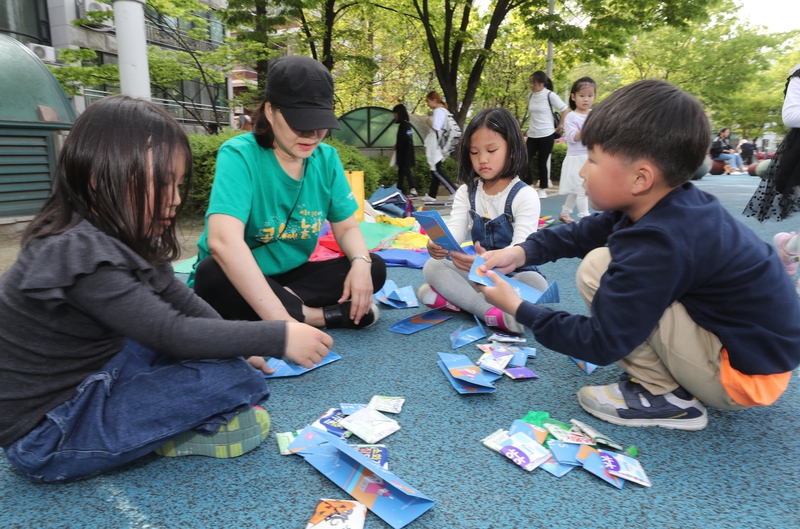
{"x": 26, "y": 20}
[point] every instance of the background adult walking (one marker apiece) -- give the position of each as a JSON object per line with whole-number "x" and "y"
{"x": 404, "y": 151}
{"x": 541, "y": 130}
{"x": 433, "y": 150}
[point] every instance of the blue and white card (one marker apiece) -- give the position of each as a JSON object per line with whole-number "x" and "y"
{"x": 524, "y": 291}
{"x": 460, "y": 337}
{"x": 399, "y": 298}
{"x": 418, "y": 322}
{"x": 290, "y": 369}
{"x": 436, "y": 228}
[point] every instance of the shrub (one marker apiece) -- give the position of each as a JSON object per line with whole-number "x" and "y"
{"x": 204, "y": 154}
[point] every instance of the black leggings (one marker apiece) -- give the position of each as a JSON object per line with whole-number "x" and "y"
{"x": 404, "y": 173}
{"x": 315, "y": 284}
{"x": 438, "y": 177}
{"x": 541, "y": 147}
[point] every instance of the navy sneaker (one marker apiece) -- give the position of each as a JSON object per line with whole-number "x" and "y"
{"x": 628, "y": 403}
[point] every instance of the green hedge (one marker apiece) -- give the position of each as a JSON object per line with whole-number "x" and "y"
{"x": 376, "y": 170}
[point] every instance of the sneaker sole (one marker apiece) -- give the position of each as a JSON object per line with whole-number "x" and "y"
{"x": 691, "y": 425}
{"x": 242, "y": 434}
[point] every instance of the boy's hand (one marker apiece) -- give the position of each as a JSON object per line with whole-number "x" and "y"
{"x": 505, "y": 260}
{"x": 462, "y": 261}
{"x": 501, "y": 295}
{"x": 306, "y": 345}
{"x": 436, "y": 251}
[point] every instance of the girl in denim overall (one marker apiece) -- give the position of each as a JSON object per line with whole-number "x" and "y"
{"x": 495, "y": 208}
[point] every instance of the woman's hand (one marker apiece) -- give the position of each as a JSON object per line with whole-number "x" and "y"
{"x": 436, "y": 251}
{"x": 501, "y": 295}
{"x": 306, "y": 345}
{"x": 358, "y": 289}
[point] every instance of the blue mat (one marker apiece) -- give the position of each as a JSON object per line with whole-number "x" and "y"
{"x": 741, "y": 471}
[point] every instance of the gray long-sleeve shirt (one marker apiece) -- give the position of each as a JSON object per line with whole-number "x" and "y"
{"x": 70, "y": 301}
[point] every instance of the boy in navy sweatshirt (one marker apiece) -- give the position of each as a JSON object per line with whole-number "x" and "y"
{"x": 688, "y": 301}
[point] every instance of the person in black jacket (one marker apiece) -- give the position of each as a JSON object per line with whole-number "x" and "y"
{"x": 404, "y": 150}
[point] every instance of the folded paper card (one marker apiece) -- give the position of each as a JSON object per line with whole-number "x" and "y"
{"x": 527, "y": 293}
{"x": 338, "y": 514}
{"x": 387, "y": 404}
{"x": 465, "y": 376}
{"x": 370, "y": 425}
{"x": 399, "y": 298}
{"x": 386, "y": 495}
{"x": 495, "y": 361}
{"x": 290, "y": 369}
{"x": 587, "y": 367}
{"x": 460, "y": 337}
{"x": 434, "y": 225}
{"x": 418, "y": 322}
{"x": 625, "y": 467}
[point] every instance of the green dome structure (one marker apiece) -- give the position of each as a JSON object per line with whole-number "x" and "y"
{"x": 33, "y": 109}
{"x": 371, "y": 128}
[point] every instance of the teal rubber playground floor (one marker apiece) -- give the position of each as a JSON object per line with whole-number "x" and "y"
{"x": 742, "y": 471}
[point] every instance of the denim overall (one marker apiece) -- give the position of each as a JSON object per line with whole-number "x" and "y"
{"x": 497, "y": 233}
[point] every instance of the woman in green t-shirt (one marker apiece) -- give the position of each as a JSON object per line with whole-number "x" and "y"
{"x": 273, "y": 189}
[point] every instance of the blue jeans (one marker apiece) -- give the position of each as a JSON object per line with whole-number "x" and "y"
{"x": 136, "y": 403}
{"x": 733, "y": 160}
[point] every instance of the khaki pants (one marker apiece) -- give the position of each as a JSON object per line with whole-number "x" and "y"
{"x": 677, "y": 353}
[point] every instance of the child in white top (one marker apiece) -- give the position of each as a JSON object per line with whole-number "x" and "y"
{"x": 495, "y": 208}
{"x": 581, "y": 98}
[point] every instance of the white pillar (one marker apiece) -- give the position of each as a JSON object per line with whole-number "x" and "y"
{"x": 134, "y": 72}
{"x": 551, "y": 11}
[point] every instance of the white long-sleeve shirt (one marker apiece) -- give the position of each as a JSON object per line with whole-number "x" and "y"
{"x": 791, "y": 104}
{"x": 525, "y": 208}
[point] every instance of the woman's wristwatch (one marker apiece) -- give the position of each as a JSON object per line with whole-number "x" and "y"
{"x": 367, "y": 258}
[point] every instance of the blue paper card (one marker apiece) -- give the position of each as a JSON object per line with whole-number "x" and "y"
{"x": 556, "y": 468}
{"x": 461, "y": 338}
{"x": 399, "y": 298}
{"x": 524, "y": 291}
{"x": 350, "y": 409}
{"x": 290, "y": 369}
{"x": 465, "y": 388}
{"x": 386, "y": 495}
{"x": 565, "y": 453}
{"x": 434, "y": 225}
{"x": 587, "y": 367}
{"x": 594, "y": 464}
{"x": 418, "y": 322}
{"x": 465, "y": 376}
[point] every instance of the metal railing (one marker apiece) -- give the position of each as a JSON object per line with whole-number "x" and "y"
{"x": 179, "y": 112}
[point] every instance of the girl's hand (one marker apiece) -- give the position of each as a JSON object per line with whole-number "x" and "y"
{"x": 306, "y": 345}
{"x": 462, "y": 260}
{"x": 261, "y": 364}
{"x": 505, "y": 260}
{"x": 358, "y": 289}
{"x": 501, "y": 295}
{"x": 436, "y": 251}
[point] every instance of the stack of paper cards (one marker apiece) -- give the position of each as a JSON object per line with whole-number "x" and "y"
{"x": 377, "y": 453}
{"x": 527, "y": 293}
{"x": 399, "y": 298}
{"x": 594, "y": 464}
{"x": 384, "y": 493}
{"x": 495, "y": 361}
{"x": 519, "y": 448}
{"x": 565, "y": 453}
{"x": 466, "y": 377}
{"x": 565, "y": 433}
{"x": 338, "y": 514}
{"x": 331, "y": 422}
{"x": 599, "y": 438}
{"x": 370, "y": 425}
{"x": 460, "y": 338}
{"x": 290, "y": 369}
{"x": 625, "y": 467}
{"x": 587, "y": 367}
{"x": 387, "y": 404}
{"x": 418, "y": 322}
{"x": 536, "y": 433}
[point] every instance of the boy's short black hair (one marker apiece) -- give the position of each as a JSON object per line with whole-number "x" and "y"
{"x": 652, "y": 120}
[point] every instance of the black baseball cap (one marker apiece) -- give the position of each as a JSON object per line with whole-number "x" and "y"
{"x": 302, "y": 89}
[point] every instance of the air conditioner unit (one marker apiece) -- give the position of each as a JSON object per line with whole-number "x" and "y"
{"x": 95, "y": 6}
{"x": 45, "y": 53}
